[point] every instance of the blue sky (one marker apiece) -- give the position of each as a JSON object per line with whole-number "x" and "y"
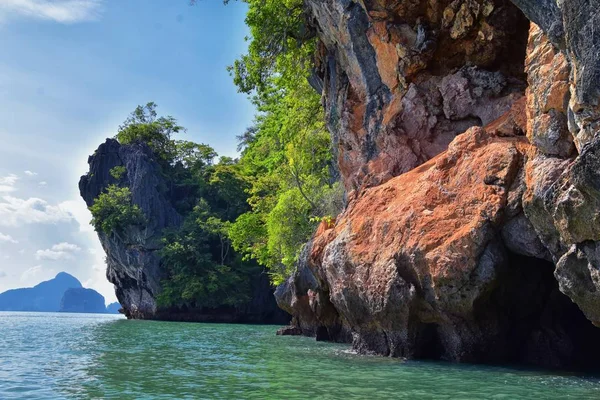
{"x": 70, "y": 72}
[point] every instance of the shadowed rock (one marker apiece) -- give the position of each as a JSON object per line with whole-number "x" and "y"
{"x": 459, "y": 242}
{"x": 133, "y": 264}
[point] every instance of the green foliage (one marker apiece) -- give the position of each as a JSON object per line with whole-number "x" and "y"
{"x": 278, "y": 33}
{"x": 144, "y": 126}
{"x": 288, "y": 229}
{"x": 193, "y": 155}
{"x": 113, "y": 211}
{"x": 262, "y": 208}
{"x": 248, "y": 235}
{"x": 118, "y": 172}
{"x": 202, "y": 268}
{"x": 286, "y": 155}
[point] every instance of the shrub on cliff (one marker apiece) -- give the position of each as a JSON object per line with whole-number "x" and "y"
{"x": 113, "y": 211}
{"x": 143, "y": 125}
{"x": 201, "y": 267}
{"x": 118, "y": 172}
{"x": 287, "y": 153}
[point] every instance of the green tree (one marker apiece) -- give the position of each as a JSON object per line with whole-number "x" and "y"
{"x": 201, "y": 268}
{"x": 118, "y": 172}
{"x": 193, "y": 155}
{"x": 278, "y": 37}
{"x": 143, "y": 125}
{"x": 286, "y": 157}
{"x": 113, "y": 211}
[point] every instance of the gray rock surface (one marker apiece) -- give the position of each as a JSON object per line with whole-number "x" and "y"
{"x": 393, "y": 96}
{"x": 132, "y": 256}
{"x": 133, "y": 264}
{"x": 407, "y": 270}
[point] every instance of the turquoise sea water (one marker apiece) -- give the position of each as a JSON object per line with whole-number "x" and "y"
{"x": 64, "y": 356}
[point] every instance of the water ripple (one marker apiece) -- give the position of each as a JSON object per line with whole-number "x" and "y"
{"x": 68, "y": 356}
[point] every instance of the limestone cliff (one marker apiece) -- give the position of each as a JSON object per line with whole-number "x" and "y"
{"x": 466, "y": 134}
{"x": 133, "y": 255}
{"x": 131, "y": 258}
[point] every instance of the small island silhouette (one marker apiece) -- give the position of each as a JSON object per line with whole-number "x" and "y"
{"x": 64, "y": 293}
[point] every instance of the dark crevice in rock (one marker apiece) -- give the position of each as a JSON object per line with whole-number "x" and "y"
{"x": 537, "y": 324}
{"x": 546, "y": 14}
{"x": 428, "y": 342}
{"x": 322, "y": 334}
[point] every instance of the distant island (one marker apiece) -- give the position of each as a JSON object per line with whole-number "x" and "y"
{"x": 113, "y": 308}
{"x": 64, "y": 293}
{"x": 82, "y": 300}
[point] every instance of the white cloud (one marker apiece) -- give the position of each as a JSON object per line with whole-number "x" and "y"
{"x": 16, "y": 212}
{"x": 29, "y": 173}
{"x": 7, "y": 183}
{"x": 37, "y": 274}
{"x": 61, "y": 251}
{"x": 62, "y": 11}
{"x": 9, "y": 180}
{"x": 7, "y": 238}
{"x": 80, "y": 213}
{"x": 64, "y": 246}
{"x": 31, "y": 272}
{"x": 52, "y": 255}
{"x": 43, "y": 183}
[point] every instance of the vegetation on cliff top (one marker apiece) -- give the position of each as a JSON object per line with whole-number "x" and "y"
{"x": 255, "y": 211}
{"x": 286, "y": 154}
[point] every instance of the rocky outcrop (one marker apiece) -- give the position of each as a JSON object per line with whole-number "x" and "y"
{"x": 467, "y": 141}
{"x": 82, "y": 300}
{"x": 133, "y": 254}
{"x": 402, "y": 78}
{"x": 133, "y": 264}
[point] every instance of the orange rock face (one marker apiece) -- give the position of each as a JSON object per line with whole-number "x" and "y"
{"x": 472, "y": 229}
{"x": 417, "y": 242}
{"x": 547, "y": 96}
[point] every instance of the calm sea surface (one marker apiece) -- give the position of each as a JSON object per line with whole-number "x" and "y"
{"x": 56, "y": 356}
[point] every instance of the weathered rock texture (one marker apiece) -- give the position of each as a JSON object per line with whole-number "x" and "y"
{"x": 133, "y": 264}
{"x": 403, "y": 78}
{"x": 467, "y": 141}
{"x": 132, "y": 257}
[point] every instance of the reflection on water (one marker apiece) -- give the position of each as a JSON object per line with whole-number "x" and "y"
{"x": 101, "y": 356}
